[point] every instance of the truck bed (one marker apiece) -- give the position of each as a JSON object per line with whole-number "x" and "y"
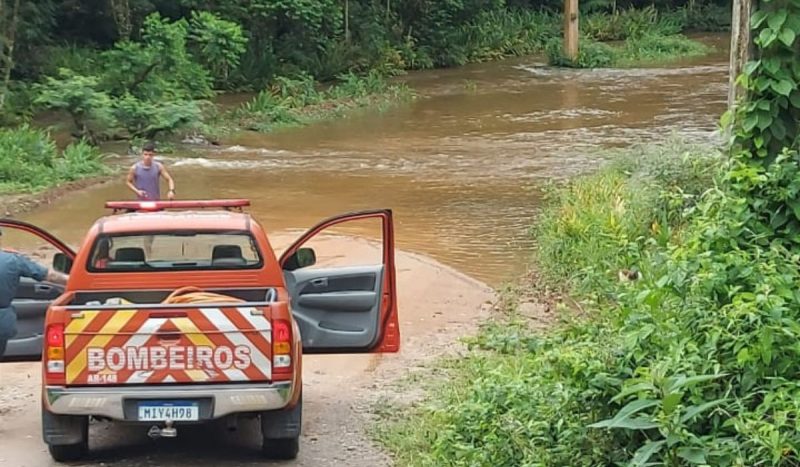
{"x": 147, "y": 342}
{"x": 262, "y": 294}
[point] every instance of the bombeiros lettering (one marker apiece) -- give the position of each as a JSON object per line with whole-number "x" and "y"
{"x": 168, "y": 358}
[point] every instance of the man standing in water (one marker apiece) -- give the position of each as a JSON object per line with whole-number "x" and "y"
{"x": 145, "y": 175}
{"x": 144, "y": 179}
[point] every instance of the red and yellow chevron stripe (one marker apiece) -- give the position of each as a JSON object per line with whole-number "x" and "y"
{"x": 190, "y": 345}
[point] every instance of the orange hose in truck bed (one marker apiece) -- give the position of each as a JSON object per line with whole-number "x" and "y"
{"x": 192, "y": 294}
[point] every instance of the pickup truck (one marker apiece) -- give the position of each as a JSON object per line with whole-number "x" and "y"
{"x": 180, "y": 312}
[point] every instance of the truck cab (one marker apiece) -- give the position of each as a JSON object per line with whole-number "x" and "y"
{"x": 181, "y": 312}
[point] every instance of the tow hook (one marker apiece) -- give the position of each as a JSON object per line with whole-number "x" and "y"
{"x": 168, "y": 431}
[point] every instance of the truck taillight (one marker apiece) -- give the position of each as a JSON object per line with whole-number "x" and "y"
{"x": 54, "y": 354}
{"x": 281, "y": 346}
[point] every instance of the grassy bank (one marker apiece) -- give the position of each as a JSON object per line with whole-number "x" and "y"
{"x": 685, "y": 353}
{"x": 301, "y": 101}
{"x": 30, "y": 161}
{"x": 644, "y": 50}
{"x": 636, "y": 37}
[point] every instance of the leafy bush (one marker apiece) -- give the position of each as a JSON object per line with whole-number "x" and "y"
{"x": 158, "y": 68}
{"x": 590, "y": 54}
{"x": 496, "y": 34}
{"x": 630, "y": 23}
{"x": 706, "y": 17}
{"x": 29, "y": 160}
{"x": 651, "y": 47}
{"x": 218, "y": 44}
{"x": 297, "y": 101}
{"x": 636, "y": 50}
{"x": 147, "y": 119}
{"x": 18, "y": 104}
{"x": 79, "y": 160}
{"x": 89, "y": 108}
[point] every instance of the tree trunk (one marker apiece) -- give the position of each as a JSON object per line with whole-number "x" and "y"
{"x": 9, "y": 32}
{"x": 571, "y": 29}
{"x": 121, "y": 11}
{"x": 347, "y": 21}
{"x": 741, "y": 47}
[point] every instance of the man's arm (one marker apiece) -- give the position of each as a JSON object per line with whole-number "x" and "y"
{"x": 168, "y": 177}
{"x": 56, "y": 277}
{"x": 38, "y": 272}
{"x": 130, "y": 179}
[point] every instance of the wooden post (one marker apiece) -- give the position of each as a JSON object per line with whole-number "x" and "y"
{"x": 571, "y": 29}
{"x": 741, "y": 47}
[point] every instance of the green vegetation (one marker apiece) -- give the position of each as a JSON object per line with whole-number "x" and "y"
{"x": 647, "y": 35}
{"x": 145, "y": 69}
{"x": 155, "y": 53}
{"x": 685, "y": 265}
{"x": 526, "y": 398}
{"x": 29, "y": 161}
{"x": 293, "y": 102}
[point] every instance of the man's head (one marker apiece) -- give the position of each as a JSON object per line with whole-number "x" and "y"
{"x": 148, "y": 152}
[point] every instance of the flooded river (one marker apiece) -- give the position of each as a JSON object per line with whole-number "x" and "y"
{"x": 461, "y": 165}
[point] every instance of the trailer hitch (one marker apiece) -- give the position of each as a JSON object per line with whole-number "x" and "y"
{"x": 168, "y": 431}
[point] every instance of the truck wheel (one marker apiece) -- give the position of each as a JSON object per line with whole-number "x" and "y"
{"x": 281, "y": 449}
{"x": 67, "y": 452}
{"x": 280, "y": 431}
{"x": 67, "y": 436}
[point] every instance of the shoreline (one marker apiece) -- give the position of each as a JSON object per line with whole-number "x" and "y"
{"x": 12, "y": 205}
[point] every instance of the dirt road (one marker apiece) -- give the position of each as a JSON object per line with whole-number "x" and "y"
{"x": 437, "y": 306}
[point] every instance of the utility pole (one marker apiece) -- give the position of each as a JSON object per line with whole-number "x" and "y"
{"x": 741, "y": 47}
{"x": 571, "y": 29}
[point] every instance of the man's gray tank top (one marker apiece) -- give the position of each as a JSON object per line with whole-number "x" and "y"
{"x": 147, "y": 178}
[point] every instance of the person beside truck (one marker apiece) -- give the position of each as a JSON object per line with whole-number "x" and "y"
{"x": 13, "y": 267}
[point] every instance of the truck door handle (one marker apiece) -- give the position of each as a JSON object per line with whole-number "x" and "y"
{"x": 42, "y": 288}
{"x": 321, "y": 282}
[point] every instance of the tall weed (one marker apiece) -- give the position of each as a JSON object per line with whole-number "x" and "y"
{"x": 29, "y": 160}
{"x": 292, "y": 102}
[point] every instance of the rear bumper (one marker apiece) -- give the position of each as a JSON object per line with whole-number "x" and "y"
{"x": 115, "y": 402}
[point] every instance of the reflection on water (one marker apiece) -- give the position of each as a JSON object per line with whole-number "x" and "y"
{"x": 461, "y": 166}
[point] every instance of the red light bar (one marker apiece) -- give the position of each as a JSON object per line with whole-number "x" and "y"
{"x": 183, "y": 204}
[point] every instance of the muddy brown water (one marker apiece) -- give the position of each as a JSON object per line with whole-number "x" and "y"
{"x": 461, "y": 166}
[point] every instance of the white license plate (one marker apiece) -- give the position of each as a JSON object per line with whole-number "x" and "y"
{"x": 174, "y": 411}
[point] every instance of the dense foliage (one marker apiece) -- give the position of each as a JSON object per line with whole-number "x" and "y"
{"x": 692, "y": 358}
{"x": 248, "y": 43}
{"x": 648, "y": 35}
{"x": 30, "y": 161}
{"x": 130, "y": 69}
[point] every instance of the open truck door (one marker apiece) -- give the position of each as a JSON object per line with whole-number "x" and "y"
{"x": 344, "y": 309}
{"x": 33, "y": 297}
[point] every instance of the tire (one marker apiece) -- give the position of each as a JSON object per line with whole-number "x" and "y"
{"x": 68, "y": 452}
{"x": 281, "y": 449}
{"x": 280, "y": 431}
{"x": 67, "y": 436}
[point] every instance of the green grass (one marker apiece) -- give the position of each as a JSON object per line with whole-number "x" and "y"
{"x": 300, "y": 101}
{"x": 30, "y": 161}
{"x": 692, "y": 363}
{"x": 635, "y": 51}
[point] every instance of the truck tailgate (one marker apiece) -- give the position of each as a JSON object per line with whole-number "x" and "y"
{"x": 168, "y": 345}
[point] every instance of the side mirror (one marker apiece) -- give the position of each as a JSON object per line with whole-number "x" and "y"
{"x": 301, "y": 258}
{"x": 62, "y": 263}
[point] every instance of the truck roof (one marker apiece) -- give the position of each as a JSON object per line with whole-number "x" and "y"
{"x": 174, "y": 220}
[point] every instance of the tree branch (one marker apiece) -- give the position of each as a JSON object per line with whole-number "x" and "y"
{"x": 143, "y": 75}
